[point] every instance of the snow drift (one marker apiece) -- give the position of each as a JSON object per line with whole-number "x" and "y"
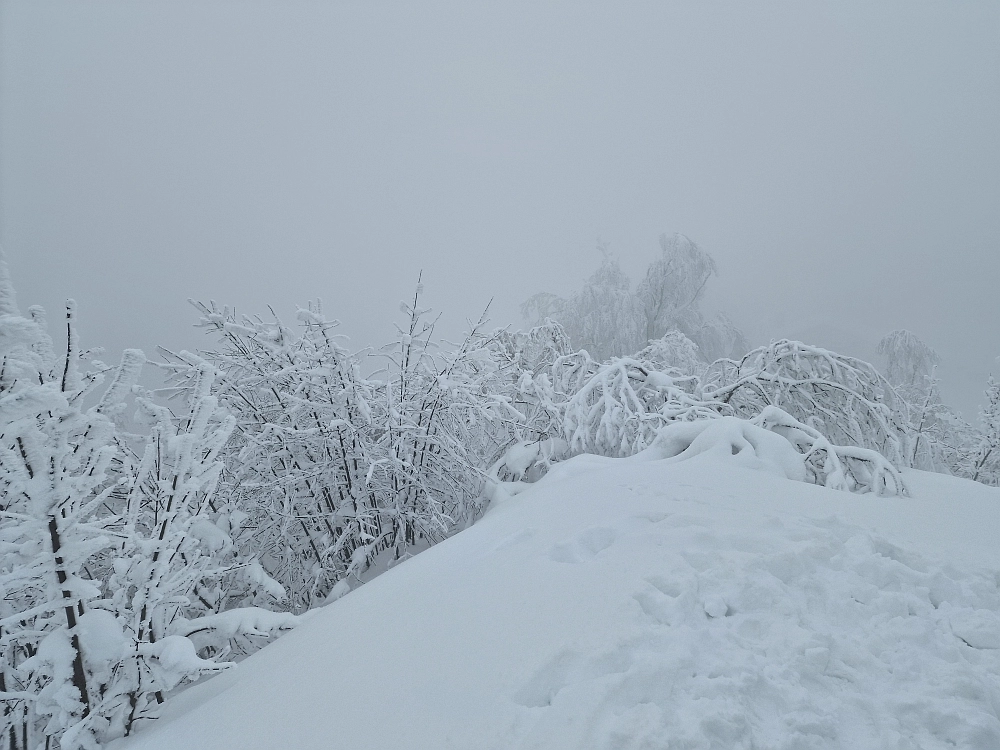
{"x": 690, "y": 597}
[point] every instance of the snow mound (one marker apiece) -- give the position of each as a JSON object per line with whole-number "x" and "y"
{"x": 730, "y": 440}
{"x": 684, "y": 599}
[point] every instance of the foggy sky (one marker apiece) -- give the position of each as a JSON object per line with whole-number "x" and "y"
{"x": 840, "y": 161}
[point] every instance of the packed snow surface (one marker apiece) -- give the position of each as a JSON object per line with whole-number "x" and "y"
{"x": 647, "y": 603}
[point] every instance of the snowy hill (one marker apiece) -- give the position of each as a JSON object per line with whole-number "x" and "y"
{"x": 629, "y": 603}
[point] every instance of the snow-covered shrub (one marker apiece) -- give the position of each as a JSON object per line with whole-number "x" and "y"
{"x": 172, "y": 564}
{"x": 773, "y": 441}
{"x": 839, "y": 467}
{"x": 532, "y": 351}
{"x": 294, "y": 489}
{"x": 167, "y": 555}
{"x": 448, "y": 416}
{"x": 673, "y": 351}
{"x": 845, "y": 399}
{"x": 622, "y": 406}
{"x": 740, "y": 441}
{"x": 619, "y": 408}
{"x": 104, "y": 539}
{"x": 59, "y": 470}
{"x": 526, "y": 360}
{"x": 328, "y": 471}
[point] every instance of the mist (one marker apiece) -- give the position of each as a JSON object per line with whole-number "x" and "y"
{"x": 841, "y": 163}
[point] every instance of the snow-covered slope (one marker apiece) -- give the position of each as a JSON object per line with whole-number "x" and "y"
{"x": 623, "y": 603}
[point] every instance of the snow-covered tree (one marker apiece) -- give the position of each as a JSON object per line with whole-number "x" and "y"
{"x": 672, "y": 287}
{"x": 940, "y": 440}
{"x": 608, "y": 318}
{"x": 525, "y": 360}
{"x": 986, "y": 461}
{"x": 718, "y": 337}
{"x": 909, "y": 362}
{"x": 604, "y": 318}
{"x": 623, "y": 407}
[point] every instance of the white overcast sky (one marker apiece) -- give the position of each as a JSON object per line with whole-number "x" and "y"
{"x": 840, "y": 160}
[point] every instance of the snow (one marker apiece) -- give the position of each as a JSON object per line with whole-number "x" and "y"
{"x": 730, "y": 439}
{"x": 211, "y": 536}
{"x": 707, "y": 603}
{"x": 256, "y": 574}
{"x": 175, "y": 658}
{"x": 340, "y": 588}
{"x": 101, "y": 637}
{"x": 520, "y": 457}
{"x": 240, "y": 621}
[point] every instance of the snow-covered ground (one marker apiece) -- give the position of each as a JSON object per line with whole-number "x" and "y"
{"x": 630, "y": 603}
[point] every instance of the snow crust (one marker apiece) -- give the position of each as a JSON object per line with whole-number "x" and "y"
{"x": 706, "y": 603}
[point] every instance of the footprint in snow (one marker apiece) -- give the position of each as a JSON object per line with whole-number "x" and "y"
{"x": 584, "y": 546}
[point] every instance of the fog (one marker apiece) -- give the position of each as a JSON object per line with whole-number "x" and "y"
{"x": 841, "y": 162}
